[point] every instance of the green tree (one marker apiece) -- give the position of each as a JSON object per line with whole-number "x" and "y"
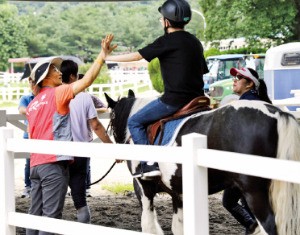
{"x": 278, "y": 20}
{"x": 79, "y": 27}
{"x": 76, "y": 28}
{"x": 12, "y": 31}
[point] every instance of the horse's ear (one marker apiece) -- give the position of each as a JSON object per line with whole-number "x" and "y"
{"x": 111, "y": 103}
{"x": 131, "y": 94}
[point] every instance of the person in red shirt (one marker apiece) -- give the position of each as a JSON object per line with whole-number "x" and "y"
{"x": 48, "y": 119}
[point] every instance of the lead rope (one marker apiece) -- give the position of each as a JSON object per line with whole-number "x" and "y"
{"x": 112, "y": 166}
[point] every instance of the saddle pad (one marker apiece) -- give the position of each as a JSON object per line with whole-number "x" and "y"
{"x": 171, "y": 128}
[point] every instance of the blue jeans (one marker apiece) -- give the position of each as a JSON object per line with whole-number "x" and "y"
{"x": 27, "y": 173}
{"x": 153, "y": 111}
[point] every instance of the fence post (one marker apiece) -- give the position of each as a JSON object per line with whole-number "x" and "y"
{"x": 195, "y": 187}
{"x": 7, "y": 187}
{"x": 4, "y": 94}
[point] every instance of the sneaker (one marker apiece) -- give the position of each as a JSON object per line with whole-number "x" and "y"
{"x": 26, "y": 192}
{"x": 148, "y": 169}
{"x": 251, "y": 228}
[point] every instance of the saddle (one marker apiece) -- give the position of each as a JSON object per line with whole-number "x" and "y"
{"x": 198, "y": 104}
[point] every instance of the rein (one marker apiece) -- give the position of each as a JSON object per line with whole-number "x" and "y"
{"x": 112, "y": 166}
{"x": 109, "y": 127}
{"x": 97, "y": 181}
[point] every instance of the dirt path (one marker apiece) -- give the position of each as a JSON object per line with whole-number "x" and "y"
{"x": 123, "y": 211}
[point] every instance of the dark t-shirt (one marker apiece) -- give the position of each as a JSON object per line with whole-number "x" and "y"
{"x": 182, "y": 66}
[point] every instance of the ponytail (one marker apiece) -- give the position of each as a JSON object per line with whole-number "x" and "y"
{"x": 263, "y": 92}
{"x": 262, "y": 88}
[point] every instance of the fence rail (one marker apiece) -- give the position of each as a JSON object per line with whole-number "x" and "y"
{"x": 6, "y": 78}
{"x": 114, "y": 89}
{"x": 17, "y": 119}
{"x": 118, "y": 89}
{"x": 13, "y": 93}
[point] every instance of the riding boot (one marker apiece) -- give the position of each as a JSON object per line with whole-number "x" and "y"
{"x": 83, "y": 215}
{"x": 244, "y": 218}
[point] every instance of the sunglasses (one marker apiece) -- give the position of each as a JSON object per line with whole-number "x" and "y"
{"x": 239, "y": 77}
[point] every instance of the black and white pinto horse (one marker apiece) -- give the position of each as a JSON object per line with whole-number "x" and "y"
{"x": 250, "y": 127}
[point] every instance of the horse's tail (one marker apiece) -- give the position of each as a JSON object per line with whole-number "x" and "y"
{"x": 285, "y": 197}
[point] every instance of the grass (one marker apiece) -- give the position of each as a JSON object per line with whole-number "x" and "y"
{"x": 143, "y": 89}
{"x": 118, "y": 188}
{"x": 8, "y": 104}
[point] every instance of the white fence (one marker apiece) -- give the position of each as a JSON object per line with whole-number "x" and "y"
{"x": 195, "y": 162}
{"x": 119, "y": 75}
{"x": 8, "y": 93}
{"x": 7, "y": 78}
{"x": 118, "y": 89}
{"x": 13, "y": 93}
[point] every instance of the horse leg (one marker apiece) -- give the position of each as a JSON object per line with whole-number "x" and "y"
{"x": 149, "y": 217}
{"x": 149, "y": 222}
{"x": 259, "y": 204}
{"x": 177, "y": 220}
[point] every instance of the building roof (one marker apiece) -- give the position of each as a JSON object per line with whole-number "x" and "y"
{"x": 18, "y": 60}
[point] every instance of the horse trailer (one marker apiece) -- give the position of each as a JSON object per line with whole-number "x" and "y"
{"x": 282, "y": 70}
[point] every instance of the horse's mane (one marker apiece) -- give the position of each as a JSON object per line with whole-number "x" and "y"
{"x": 119, "y": 117}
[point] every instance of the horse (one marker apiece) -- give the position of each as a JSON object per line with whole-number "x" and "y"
{"x": 244, "y": 126}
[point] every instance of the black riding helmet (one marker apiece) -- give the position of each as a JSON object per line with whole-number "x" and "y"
{"x": 176, "y": 10}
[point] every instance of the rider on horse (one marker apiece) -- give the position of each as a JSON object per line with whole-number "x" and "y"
{"x": 182, "y": 67}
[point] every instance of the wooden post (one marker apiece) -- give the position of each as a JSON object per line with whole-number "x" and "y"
{"x": 7, "y": 187}
{"x": 195, "y": 187}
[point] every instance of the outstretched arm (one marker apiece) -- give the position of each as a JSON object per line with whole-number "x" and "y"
{"x": 135, "y": 56}
{"x": 94, "y": 70}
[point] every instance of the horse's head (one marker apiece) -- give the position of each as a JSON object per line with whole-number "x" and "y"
{"x": 120, "y": 111}
{"x": 111, "y": 103}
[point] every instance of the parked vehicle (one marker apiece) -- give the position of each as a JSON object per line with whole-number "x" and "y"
{"x": 219, "y": 67}
{"x": 282, "y": 70}
{"x": 221, "y": 89}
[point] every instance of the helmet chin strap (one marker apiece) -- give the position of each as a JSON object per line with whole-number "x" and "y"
{"x": 166, "y": 28}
